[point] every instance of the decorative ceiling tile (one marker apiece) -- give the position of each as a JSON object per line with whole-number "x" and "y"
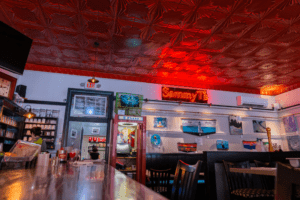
{"x": 226, "y": 44}
{"x": 266, "y": 51}
{"x": 137, "y": 10}
{"x": 235, "y": 28}
{"x": 258, "y": 6}
{"x": 263, "y": 33}
{"x": 205, "y": 23}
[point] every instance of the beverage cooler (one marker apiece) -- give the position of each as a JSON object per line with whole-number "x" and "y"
{"x": 87, "y": 121}
{"x": 128, "y": 146}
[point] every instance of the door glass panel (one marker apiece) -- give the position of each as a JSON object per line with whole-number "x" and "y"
{"x": 83, "y": 135}
{"x": 88, "y": 106}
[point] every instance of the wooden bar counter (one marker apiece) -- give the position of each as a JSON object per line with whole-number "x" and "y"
{"x": 66, "y": 182}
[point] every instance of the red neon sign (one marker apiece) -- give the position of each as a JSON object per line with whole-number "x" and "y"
{"x": 178, "y": 94}
{"x": 90, "y": 85}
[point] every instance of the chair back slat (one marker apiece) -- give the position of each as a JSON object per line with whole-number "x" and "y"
{"x": 160, "y": 181}
{"x": 266, "y": 181}
{"x": 287, "y": 184}
{"x": 185, "y": 181}
{"x": 238, "y": 180}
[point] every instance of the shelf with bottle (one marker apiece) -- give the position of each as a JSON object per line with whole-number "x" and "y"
{"x": 5, "y": 120}
{"x": 45, "y": 113}
{"x": 42, "y": 126}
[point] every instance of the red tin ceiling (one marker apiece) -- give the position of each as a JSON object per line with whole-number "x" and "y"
{"x": 231, "y": 45}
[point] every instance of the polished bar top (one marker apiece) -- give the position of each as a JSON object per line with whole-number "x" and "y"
{"x": 66, "y": 182}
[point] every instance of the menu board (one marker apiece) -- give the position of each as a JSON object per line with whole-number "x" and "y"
{"x": 92, "y": 106}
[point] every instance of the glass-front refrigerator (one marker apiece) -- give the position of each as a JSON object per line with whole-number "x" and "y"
{"x": 87, "y": 121}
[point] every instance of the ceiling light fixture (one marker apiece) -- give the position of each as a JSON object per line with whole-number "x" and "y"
{"x": 29, "y": 114}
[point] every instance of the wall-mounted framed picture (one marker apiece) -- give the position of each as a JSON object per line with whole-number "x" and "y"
{"x": 290, "y": 124}
{"x": 222, "y": 145}
{"x": 96, "y": 131}
{"x": 199, "y": 126}
{"x": 294, "y": 142}
{"x": 160, "y": 122}
{"x": 73, "y": 133}
{"x": 259, "y": 126}
{"x": 235, "y": 125}
{"x": 249, "y": 144}
{"x": 129, "y": 104}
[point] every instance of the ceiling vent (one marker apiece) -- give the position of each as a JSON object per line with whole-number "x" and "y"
{"x": 252, "y": 102}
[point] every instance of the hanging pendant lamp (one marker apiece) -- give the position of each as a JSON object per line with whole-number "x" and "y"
{"x": 93, "y": 79}
{"x": 29, "y": 114}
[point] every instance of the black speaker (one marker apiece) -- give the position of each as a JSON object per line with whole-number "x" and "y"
{"x": 21, "y": 90}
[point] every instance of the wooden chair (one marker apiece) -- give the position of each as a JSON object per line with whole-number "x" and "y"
{"x": 185, "y": 181}
{"x": 268, "y": 182}
{"x": 241, "y": 184}
{"x": 287, "y": 182}
{"x": 160, "y": 181}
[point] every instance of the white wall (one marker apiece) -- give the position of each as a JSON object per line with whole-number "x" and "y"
{"x": 288, "y": 98}
{"x": 53, "y": 87}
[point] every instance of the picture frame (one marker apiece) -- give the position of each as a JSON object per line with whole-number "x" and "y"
{"x": 73, "y": 133}
{"x": 290, "y": 124}
{"x": 259, "y": 126}
{"x": 96, "y": 131}
{"x": 222, "y": 145}
{"x": 235, "y": 125}
{"x": 160, "y": 122}
{"x": 130, "y": 104}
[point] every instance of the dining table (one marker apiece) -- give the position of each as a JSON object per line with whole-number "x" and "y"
{"x": 66, "y": 181}
{"x": 267, "y": 171}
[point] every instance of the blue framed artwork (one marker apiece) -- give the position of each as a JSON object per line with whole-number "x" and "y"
{"x": 259, "y": 126}
{"x": 290, "y": 124}
{"x": 199, "y": 126}
{"x": 222, "y": 145}
{"x": 160, "y": 122}
{"x": 155, "y": 140}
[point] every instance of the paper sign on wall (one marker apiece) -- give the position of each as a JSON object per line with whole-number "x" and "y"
{"x": 199, "y": 141}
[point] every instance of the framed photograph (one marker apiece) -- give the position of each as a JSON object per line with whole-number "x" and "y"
{"x": 130, "y": 103}
{"x": 199, "y": 127}
{"x": 294, "y": 142}
{"x": 235, "y": 125}
{"x": 96, "y": 131}
{"x": 249, "y": 144}
{"x": 73, "y": 133}
{"x": 259, "y": 126}
{"x": 160, "y": 122}
{"x": 290, "y": 124}
{"x": 222, "y": 145}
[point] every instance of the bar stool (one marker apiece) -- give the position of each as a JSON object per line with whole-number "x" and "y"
{"x": 185, "y": 181}
{"x": 160, "y": 181}
{"x": 287, "y": 182}
{"x": 241, "y": 185}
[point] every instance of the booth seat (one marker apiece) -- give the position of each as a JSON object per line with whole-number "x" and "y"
{"x": 169, "y": 160}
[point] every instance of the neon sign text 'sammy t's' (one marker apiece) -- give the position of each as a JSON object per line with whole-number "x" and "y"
{"x": 178, "y": 94}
